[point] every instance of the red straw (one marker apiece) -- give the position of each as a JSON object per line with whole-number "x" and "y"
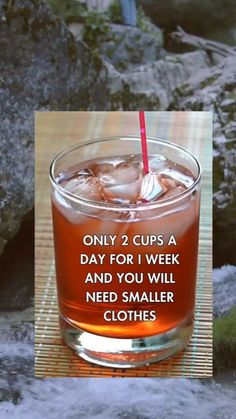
{"x": 143, "y": 141}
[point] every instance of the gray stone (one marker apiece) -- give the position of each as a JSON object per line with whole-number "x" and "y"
{"x": 225, "y": 341}
{"x": 224, "y": 311}
{"x": 17, "y": 327}
{"x": 151, "y": 86}
{"x": 128, "y": 47}
{"x": 17, "y": 269}
{"x": 215, "y": 89}
{"x": 132, "y": 398}
{"x": 42, "y": 68}
{"x": 224, "y": 290}
{"x": 16, "y": 353}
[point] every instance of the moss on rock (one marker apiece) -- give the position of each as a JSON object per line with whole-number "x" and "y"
{"x": 225, "y": 341}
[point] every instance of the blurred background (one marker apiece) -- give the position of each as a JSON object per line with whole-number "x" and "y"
{"x": 103, "y": 55}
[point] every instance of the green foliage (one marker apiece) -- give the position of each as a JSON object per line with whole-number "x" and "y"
{"x": 68, "y": 10}
{"x": 96, "y": 27}
{"x": 144, "y": 23}
{"x": 225, "y": 341}
{"x": 76, "y": 11}
{"x": 114, "y": 12}
{"x": 225, "y": 327}
{"x": 96, "y": 24}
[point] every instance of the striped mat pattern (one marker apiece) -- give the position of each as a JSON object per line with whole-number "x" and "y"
{"x": 54, "y": 132}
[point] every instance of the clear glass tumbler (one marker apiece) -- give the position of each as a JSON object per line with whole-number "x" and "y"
{"x": 103, "y": 331}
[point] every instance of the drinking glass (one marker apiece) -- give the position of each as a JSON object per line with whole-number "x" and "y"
{"x": 102, "y": 330}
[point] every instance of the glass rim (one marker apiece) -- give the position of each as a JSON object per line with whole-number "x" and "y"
{"x": 119, "y": 206}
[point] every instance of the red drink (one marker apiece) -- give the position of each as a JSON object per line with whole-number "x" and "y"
{"x": 137, "y": 238}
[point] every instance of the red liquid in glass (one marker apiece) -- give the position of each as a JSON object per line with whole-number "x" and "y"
{"x": 119, "y": 181}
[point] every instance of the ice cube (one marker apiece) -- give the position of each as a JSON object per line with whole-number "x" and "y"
{"x": 64, "y": 177}
{"x": 122, "y": 183}
{"x": 168, "y": 183}
{"x": 156, "y": 163}
{"x": 103, "y": 172}
{"x": 104, "y": 167}
{"x": 84, "y": 185}
{"x": 178, "y": 177}
{"x": 136, "y": 158}
{"x": 151, "y": 188}
{"x": 173, "y": 192}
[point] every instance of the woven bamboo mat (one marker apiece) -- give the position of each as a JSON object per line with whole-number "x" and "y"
{"x": 54, "y": 132}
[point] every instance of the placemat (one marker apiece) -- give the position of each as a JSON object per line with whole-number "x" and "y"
{"x": 54, "y": 132}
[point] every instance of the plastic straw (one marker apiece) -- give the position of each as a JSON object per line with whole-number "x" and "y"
{"x": 143, "y": 141}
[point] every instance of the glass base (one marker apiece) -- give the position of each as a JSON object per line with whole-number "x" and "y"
{"x": 126, "y": 353}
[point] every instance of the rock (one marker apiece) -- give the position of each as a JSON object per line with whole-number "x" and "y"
{"x": 216, "y": 50}
{"x": 128, "y": 47}
{"x": 195, "y": 16}
{"x": 16, "y": 354}
{"x": 125, "y": 47}
{"x": 224, "y": 290}
{"x": 18, "y": 328}
{"x": 224, "y": 310}
{"x": 151, "y": 86}
{"x": 215, "y": 89}
{"x": 132, "y": 398}
{"x": 225, "y": 341}
{"x": 17, "y": 269}
{"x": 225, "y": 203}
{"x": 42, "y": 68}
{"x": 77, "y": 30}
